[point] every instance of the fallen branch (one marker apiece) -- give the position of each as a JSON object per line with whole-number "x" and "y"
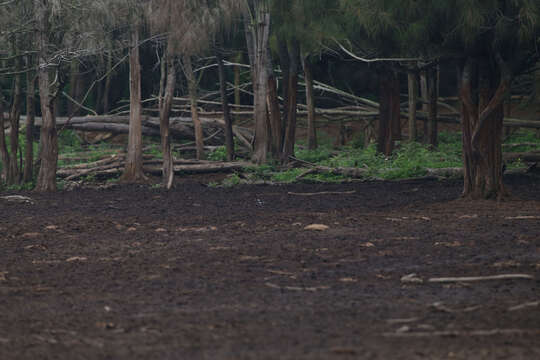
{"x": 323, "y": 193}
{"x": 481, "y": 278}
{"x": 524, "y": 306}
{"x": 456, "y": 333}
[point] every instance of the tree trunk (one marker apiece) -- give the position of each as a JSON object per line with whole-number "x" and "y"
{"x": 291, "y": 105}
{"x": 14, "y": 118}
{"x": 4, "y": 157}
{"x": 192, "y": 89}
{"x": 164, "y": 116}
{"x": 257, "y": 38}
{"x": 413, "y": 100}
{"x": 133, "y": 171}
{"x": 482, "y": 129}
{"x": 30, "y": 120}
{"x": 48, "y": 144}
{"x": 310, "y": 102}
{"x": 274, "y": 112}
{"x": 389, "y": 129}
{"x": 237, "y": 95}
{"x": 229, "y": 140}
{"x": 284, "y": 62}
{"x": 425, "y": 99}
{"x": 107, "y": 86}
{"x": 432, "y": 107}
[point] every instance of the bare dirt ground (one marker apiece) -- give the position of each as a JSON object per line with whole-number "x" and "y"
{"x": 204, "y": 273}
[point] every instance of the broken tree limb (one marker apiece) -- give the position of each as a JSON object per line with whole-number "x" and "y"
{"x": 323, "y": 193}
{"x": 481, "y": 278}
{"x": 455, "y": 333}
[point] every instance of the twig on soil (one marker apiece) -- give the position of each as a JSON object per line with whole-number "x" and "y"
{"x": 441, "y": 307}
{"x": 454, "y": 333}
{"x": 296, "y": 288}
{"x": 323, "y": 193}
{"x": 524, "y": 306}
{"x": 481, "y": 278}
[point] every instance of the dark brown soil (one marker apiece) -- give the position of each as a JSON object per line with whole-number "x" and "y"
{"x": 206, "y": 273}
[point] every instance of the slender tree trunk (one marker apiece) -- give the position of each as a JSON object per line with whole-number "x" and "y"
{"x": 133, "y": 171}
{"x": 290, "y": 133}
{"x": 425, "y": 99}
{"x": 193, "y": 97}
{"x": 14, "y": 118}
{"x": 284, "y": 62}
{"x": 229, "y": 140}
{"x": 310, "y": 102}
{"x": 274, "y": 112}
{"x": 389, "y": 130}
{"x": 107, "y": 86}
{"x": 30, "y": 120}
{"x": 237, "y": 95}
{"x": 164, "y": 116}
{"x": 4, "y": 157}
{"x": 413, "y": 101}
{"x": 482, "y": 129}
{"x": 432, "y": 107}
{"x": 75, "y": 88}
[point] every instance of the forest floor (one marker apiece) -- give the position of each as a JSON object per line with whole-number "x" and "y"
{"x": 133, "y": 272}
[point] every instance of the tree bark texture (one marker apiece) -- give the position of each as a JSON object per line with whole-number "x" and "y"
{"x": 413, "y": 101}
{"x": 14, "y": 118}
{"x": 257, "y": 37}
{"x": 389, "y": 130}
{"x": 425, "y": 100}
{"x": 432, "y": 107}
{"x": 292, "y": 101}
{"x": 30, "y": 121}
{"x": 229, "y": 140}
{"x": 133, "y": 170}
{"x": 3, "y": 149}
{"x": 164, "y": 117}
{"x": 310, "y": 102}
{"x": 48, "y": 144}
{"x": 482, "y": 122}
{"x": 192, "y": 89}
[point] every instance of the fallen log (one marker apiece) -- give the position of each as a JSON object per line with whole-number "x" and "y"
{"x": 527, "y": 156}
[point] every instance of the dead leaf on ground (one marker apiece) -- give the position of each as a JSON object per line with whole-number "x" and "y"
{"x": 31, "y": 235}
{"x": 197, "y": 229}
{"x": 280, "y": 272}
{"x": 249, "y": 258}
{"x": 448, "y": 244}
{"x": 76, "y": 258}
{"x": 36, "y": 246}
{"x": 474, "y": 216}
{"x": 161, "y": 230}
{"x": 522, "y": 218}
{"x": 367, "y": 244}
{"x": 411, "y": 278}
{"x": 348, "y": 280}
{"x": 3, "y": 275}
{"x": 317, "y": 227}
{"x": 51, "y": 227}
{"x": 106, "y": 325}
{"x": 220, "y": 248}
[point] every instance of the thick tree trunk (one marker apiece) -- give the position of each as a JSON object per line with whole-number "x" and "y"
{"x": 48, "y": 144}
{"x": 284, "y": 62}
{"x": 164, "y": 116}
{"x": 229, "y": 140}
{"x": 310, "y": 102}
{"x": 389, "y": 130}
{"x": 275, "y": 115}
{"x": 482, "y": 129}
{"x": 257, "y": 38}
{"x": 30, "y": 120}
{"x": 192, "y": 89}
{"x": 292, "y": 103}
{"x": 413, "y": 100}
{"x": 133, "y": 171}
{"x": 432, "y": 107}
